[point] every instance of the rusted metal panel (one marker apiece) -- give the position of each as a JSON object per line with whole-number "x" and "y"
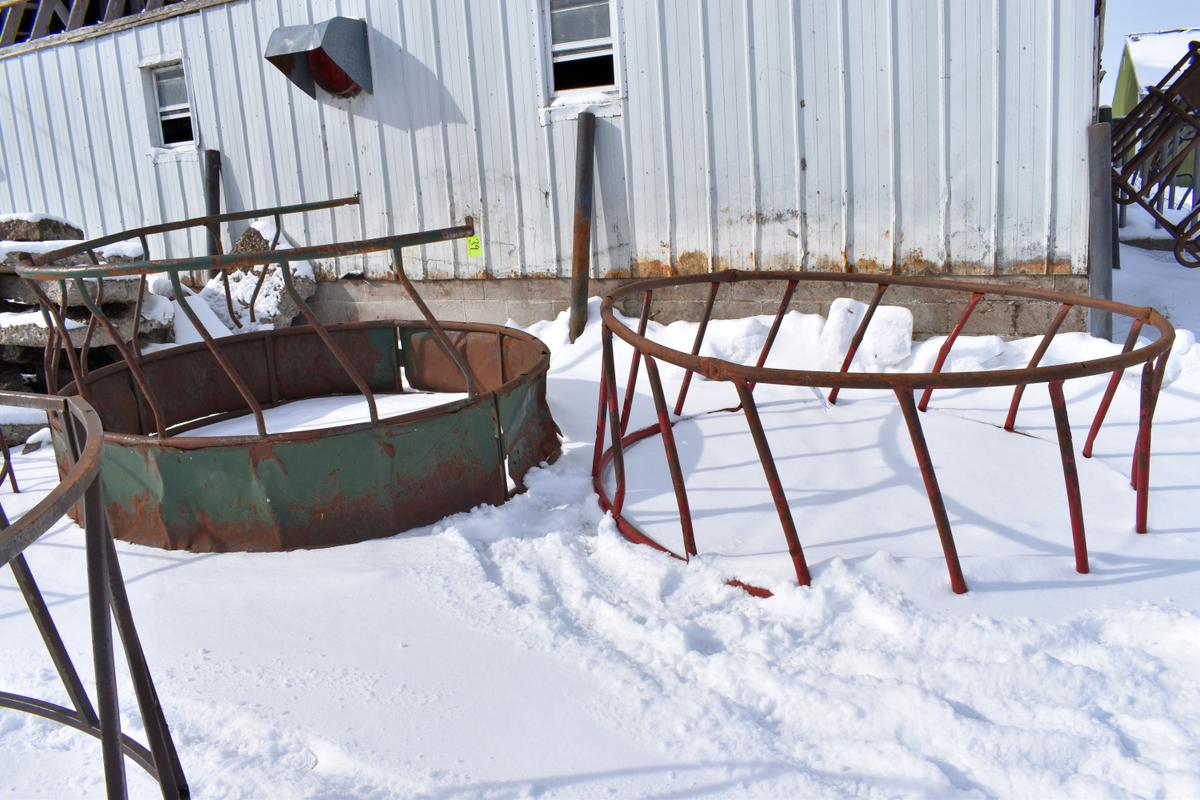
{"x": 284, "y": 493}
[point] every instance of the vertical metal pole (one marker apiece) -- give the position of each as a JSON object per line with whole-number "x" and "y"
{"x": 861, "y": 332}
{"x": 1106, "y": 116}
{"x": 1100, "y": 233}
{"x": 102, "y": 643}
{"x": 581, "y": 239}
{"x": 212, "y": 198}
{"x": 1070, "y": 475}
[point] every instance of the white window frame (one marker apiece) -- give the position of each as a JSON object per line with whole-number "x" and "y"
{"x": 155, "y": 114}
{"x": 555, "y": 105}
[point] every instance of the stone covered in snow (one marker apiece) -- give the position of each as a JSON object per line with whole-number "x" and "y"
{"x": 36, "y": 228}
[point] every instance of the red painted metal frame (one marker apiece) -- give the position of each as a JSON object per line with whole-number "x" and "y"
{"x": 903, "y": 385}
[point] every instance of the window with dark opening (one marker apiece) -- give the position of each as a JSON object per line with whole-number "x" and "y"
{"x": 171, "y": 100}
{"x": 581, "y": 45}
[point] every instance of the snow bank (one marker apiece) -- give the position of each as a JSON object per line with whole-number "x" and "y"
{"x": 185, "y": 331}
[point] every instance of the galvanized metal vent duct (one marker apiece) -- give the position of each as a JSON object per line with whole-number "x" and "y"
{"x": 332, "y": 54}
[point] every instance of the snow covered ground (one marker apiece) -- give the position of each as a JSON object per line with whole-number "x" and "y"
{"x": 530, "y": 651}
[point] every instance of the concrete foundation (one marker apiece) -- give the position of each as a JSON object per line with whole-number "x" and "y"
{"x": 527, "y": 300}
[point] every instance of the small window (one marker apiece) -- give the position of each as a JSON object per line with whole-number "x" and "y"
{"x": 171, "y": 101}
{"x": 581, "y": 45}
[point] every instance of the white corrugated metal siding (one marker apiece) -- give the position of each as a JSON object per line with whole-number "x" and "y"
{"x": 906, "y": 134}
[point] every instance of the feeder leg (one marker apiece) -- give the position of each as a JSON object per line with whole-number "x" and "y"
{"x": 908, "y": 407}
{"x": 1070, "y": 475}
{"x": 773, "y": 482}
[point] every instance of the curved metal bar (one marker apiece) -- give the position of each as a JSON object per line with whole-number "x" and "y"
{"x": 338, "y": 353}
{"x": 81, "y": 481}
{"x": 194, "y": 222}
{"x": 719, "y": 369}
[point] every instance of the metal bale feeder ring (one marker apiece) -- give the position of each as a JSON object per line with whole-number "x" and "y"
{"x": 168, "y": 487}
{"x": 613, "y": 413}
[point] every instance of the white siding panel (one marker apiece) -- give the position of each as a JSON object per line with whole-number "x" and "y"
{"x": 916, "y": 135}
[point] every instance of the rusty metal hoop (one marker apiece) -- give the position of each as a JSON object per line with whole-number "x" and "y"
{"x": 80, "y": 484}
{"x": 613, "y": 415}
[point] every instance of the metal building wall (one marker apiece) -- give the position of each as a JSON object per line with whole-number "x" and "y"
{"x": 867, "y": 134}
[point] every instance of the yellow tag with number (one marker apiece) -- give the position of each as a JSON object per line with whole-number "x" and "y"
{"x": 474, "y": 247}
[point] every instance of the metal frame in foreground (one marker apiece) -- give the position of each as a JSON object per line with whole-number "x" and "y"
{"x": 904, "y": 385}
{"x": 106, "y": 594}
{"x": 321, "y": 487}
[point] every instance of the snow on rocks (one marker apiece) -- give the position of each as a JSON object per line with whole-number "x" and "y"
{"x": 36, "y": 227}
{"x": 529, "y": 650}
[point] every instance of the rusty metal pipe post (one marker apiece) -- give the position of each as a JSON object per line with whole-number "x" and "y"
{"x": 581, "y": 237}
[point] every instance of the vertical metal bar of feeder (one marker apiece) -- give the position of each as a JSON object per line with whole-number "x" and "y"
{"x": 784, "y": 302}
{"x": 51, "y": 637}
{"x": 339, "y": 355}
{"x": 672, "y": 453}
{"x": 167, "y": 766}
{"x": 581, "y": 237}
{"x": 614, "y": 422}
{"x": 99, "y": 600}
{"x": 1152, "y": 377}
{"x": 1113, "y": 381}
{"x": 856, "y": 341}
{"x": 56, "y": 320}
{"x": 773, "y": 482}
{"x": 944, "y": 351}
{"x": 598, "y": 450}
{"x": 223, "y": 362}
{"x": 8, "y": 471}
{"x": 435, "y": 327}
{"x": 687, "y": 375}
{"x": 1070, "y": 475}
{"x": 135, "y": 368}
{"x": 262, "y": 276}
{"x": 908, "y": 407}
{"x": 643, "y": 320}
{"x": 1042, "y": 347}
